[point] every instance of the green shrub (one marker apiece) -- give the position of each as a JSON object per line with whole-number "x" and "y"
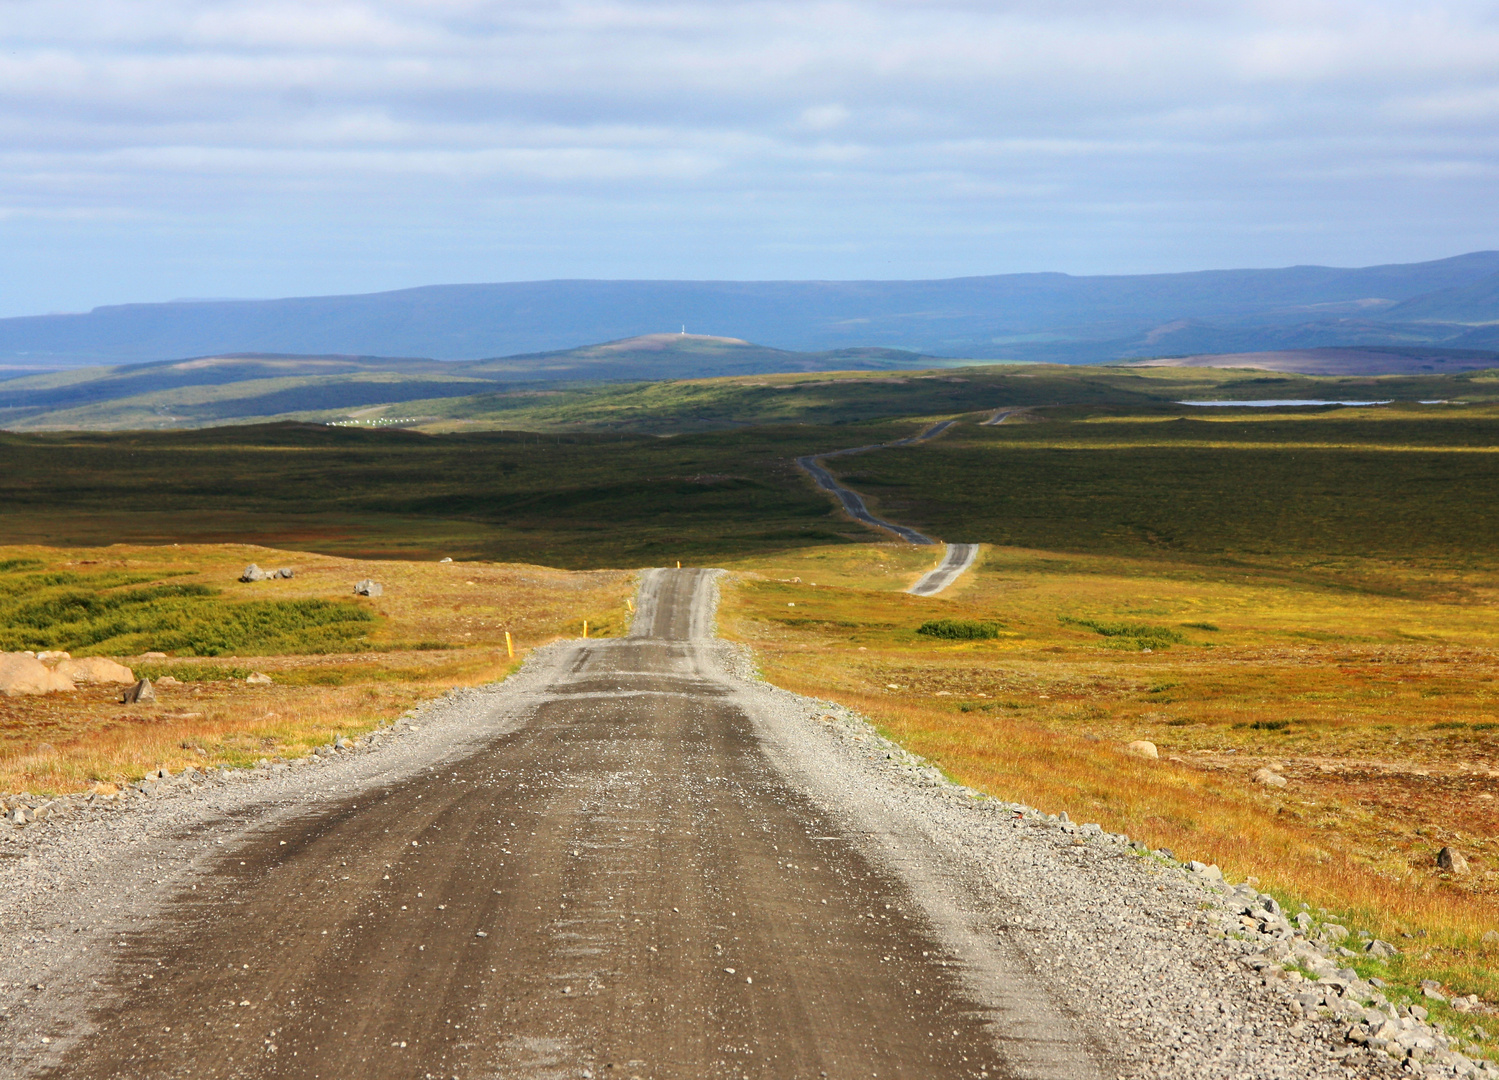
{"x": 1141, "y": 635}
{"x": 102, "y": 615}
{"x": 960, "y": 629}
{"x": 190, "y": 672}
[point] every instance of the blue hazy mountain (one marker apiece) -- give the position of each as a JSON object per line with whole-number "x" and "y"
{"x": 1043, "y": 316}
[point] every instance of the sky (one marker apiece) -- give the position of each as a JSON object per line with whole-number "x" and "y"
{"x": 160, "y": 149}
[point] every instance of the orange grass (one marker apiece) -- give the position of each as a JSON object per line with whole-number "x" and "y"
{"x": 68, "y": 741}
{"x": 1370, "y": 683}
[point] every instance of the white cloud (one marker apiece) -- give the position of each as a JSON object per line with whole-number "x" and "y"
{"x": 1174, "y": 129}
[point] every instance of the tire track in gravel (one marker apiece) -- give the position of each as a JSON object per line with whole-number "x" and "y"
{"x": 621, "y": 884}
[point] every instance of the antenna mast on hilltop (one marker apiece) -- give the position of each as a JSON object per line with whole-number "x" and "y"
{"x": 684, "y": 328}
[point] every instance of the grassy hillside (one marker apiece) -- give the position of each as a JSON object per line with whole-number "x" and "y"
{"x": 244, "y": 388}
{"x": 845, "y": 397}
{"x": 1110, "y": 477}
{"x": 1355, "y": 482}
{"x": 578, "y": 500}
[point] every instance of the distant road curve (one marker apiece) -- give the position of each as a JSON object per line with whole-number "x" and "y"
{"x": 851, "y": 500}
{"x": 959, "y": 557}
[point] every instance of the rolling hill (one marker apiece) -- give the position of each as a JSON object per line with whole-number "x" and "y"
{"x": 671, "y": 384}
{"x": 225, "y": 389}
{"x": 1043, "y": 316}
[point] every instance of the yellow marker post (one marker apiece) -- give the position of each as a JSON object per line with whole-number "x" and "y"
{"x": 585, "y": 627}
{"x": 679, "y": 564}
{"x": 509, "y": 645}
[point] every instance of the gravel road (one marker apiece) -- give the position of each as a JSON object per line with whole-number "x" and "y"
{"x": 851, "y": 500}
{"x": 958, "y": 558}
{"x": 632, "y": 859}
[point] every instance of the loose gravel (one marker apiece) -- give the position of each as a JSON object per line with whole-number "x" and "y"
{"x": 1156, "y": 967}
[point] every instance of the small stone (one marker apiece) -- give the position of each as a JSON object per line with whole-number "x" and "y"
{"x": 368, "y": 587}
{"x": 445, "y": 559}
{"x": 1335, "y": 933}
{"x": 1381, "y": 949}
{"x": 1269, "y": 778}
{"x": 153, "y": 656}
{"x": 258, "y": 678}
{"x": 1451, "y": 861}
{"x": 139, "y": 694}
{"x": 1491, "y": 937}
{"x": 1143, "y": 748}
{"x": 284, "y": 572}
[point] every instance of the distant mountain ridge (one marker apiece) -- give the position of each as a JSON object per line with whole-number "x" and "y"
{"x": 1044, "y": 316}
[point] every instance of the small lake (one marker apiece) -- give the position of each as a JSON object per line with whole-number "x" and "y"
{"x": 1276, "y": 403}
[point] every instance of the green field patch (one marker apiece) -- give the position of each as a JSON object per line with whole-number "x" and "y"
{"x": 1141, "y": 635}
{"x": 190, "y": 672}
{"x": 960, "y": 629}
{"x": 94, "y": 615}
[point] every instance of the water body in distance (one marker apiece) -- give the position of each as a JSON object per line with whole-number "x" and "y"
{"x": 1275, "y": 403}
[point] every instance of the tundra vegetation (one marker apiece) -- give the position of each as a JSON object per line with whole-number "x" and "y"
{"x": 1309, "y": 592}
{"x": 339, "y": 665}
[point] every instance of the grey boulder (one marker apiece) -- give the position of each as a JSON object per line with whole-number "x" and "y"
{"x": 141, "y": 693}
{"x": 1451, "y": 861}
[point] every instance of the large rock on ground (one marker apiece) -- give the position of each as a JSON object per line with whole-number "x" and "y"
{"x": 1269, "y": 778}
{"x": 1142, "y": 748}
{"x": 22, "y": 674}
{"x": 368, "y": 587}
{"x": 1451, "y": 860}
{"x": 253, "y": 573}
{"x": 95, "y": 669}
{"x": 141, "y": 693}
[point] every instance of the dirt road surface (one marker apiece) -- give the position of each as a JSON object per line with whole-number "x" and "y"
{"x": 852, "y": 501}
{"x": 623, "y": 883}
{"x": 958, "y": 558}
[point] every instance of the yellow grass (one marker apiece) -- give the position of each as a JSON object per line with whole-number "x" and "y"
{"x": 70, "y": 741}
{"x": 1369, "y": 686}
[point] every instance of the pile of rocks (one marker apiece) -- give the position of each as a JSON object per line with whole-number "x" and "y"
{"x": 1284, "y": 950}
{"x": 255, "y": 573}
{"x": 27, "y": 809}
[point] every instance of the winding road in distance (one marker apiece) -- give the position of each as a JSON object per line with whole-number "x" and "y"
{"x": 958, "y": 558}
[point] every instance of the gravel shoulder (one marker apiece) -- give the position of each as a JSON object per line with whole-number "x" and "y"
{"x": 1086, "y": 955}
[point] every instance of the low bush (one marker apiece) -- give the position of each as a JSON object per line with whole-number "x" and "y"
{"x": 1142, "y": 635}
{"x": 960, "y": 629}
{"x": 104, "y": 615}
